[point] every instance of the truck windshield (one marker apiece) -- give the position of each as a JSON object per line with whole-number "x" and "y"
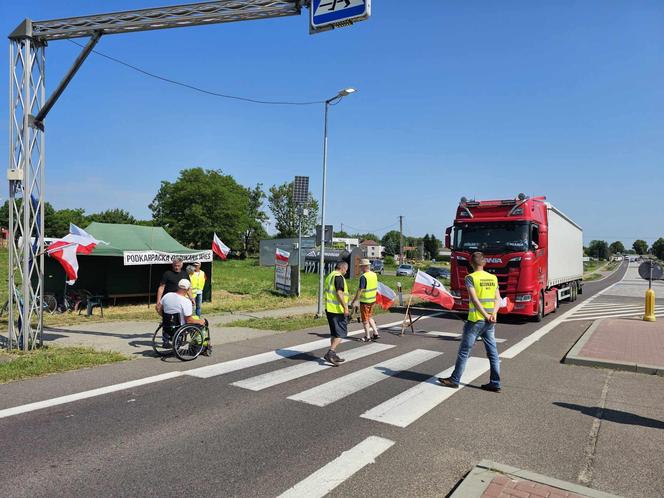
{"x": 492, "y": 237}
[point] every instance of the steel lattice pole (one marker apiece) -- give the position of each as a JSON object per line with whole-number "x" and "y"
{"x": 26, "y": 188}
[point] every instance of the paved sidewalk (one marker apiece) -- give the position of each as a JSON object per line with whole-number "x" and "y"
{"x": 134, "y": 338}
{"x": 493, "y": 480}
{"x": 623, "y": 344}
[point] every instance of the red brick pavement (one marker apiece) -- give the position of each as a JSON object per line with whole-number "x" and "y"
{"x": 510, "y": 487}
{"x": 627, "y": 340}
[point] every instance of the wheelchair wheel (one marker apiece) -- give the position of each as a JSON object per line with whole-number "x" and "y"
{"x": 50, "y": 303}
{"x": 189, "y": 342}
{"x": 158, "y": 345}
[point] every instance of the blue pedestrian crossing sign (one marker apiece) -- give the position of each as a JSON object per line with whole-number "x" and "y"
{"x": 328, "y": 14}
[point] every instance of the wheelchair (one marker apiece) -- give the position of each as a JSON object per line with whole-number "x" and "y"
{"x": 186, "y": 341}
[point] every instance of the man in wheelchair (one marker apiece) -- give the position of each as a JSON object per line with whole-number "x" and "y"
{"x": 176, "y": 309}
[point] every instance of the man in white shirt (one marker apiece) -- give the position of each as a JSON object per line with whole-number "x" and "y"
{"x": 179, "y": 303}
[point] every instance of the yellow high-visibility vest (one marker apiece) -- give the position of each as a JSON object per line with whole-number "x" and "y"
{"x": 197, "y": 282}
{"x": 485, "y": 285}
{"x": 332, "y": 304}
{"x": 368, "y": 295}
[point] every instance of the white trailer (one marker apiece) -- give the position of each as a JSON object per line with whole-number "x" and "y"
{"x": 565, "y": 253}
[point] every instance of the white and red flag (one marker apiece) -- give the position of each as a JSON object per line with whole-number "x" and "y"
{"x": 506, "y": 305}
{"x": 430, "y": 289}
{"x": 281, "y": 255}
{"x": 219, "y": 248}
{"x": 385, "y": 296}
{"x": 78, "y": 241}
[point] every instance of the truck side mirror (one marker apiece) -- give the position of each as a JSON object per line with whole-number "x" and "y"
{"x": 448, "y": 238}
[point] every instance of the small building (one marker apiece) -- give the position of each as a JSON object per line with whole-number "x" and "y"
{"x": 372, "y": 249}
{"x": 349, "y": 243}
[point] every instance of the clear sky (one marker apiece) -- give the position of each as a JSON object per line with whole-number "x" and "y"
{"x": 476, "y": 98}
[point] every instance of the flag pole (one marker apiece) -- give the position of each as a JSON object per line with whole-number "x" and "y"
{"x": 403, "y": 324}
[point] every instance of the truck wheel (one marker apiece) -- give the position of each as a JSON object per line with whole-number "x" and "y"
{"x": 572, "y": 292}
{"x": 540, "y": 311}
{"x": 555, "y": 302}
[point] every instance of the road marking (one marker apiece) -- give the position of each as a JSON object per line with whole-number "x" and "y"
{"x": 622, "y": 315}
{"x": 270, "y": 356}
{"x": 528, "y": 341}
{"x": 405, "y": 408}
{"x": 8, "y": 412}
{"x": 454, "y": 335}
{"x": 341, "y": 468}
{"x": 270, "y": 379}
{"x": 341, "y": 387}
{"x": 223, "y": 367}
{"x": 609, "y": 313}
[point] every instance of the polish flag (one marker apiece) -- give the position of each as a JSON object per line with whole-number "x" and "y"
{"x": 219, "y": 248}
{"x": 281, "y": 255}
{"x": 384, "y": 296}
{"x": 430, "y": 289}
{"x": 64, "y": 250}
{"x": 506, "y": 305}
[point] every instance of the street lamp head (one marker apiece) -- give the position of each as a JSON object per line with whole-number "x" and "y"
{"x": 346, "y": 92}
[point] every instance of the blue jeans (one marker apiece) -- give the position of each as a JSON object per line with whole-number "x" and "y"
{"x": 471, "y": 330}
{"x": 199, "y": 301}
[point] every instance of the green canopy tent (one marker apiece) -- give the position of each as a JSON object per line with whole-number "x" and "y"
{"x": 130, "y": 266}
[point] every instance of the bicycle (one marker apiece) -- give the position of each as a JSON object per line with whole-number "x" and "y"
{"x": 186, "y": 341}
{"x": 50, "y": 303}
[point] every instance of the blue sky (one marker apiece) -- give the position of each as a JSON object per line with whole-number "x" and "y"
{"x": 478, "y": 98}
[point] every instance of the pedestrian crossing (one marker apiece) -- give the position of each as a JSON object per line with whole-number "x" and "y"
{"x": 611, "y": 307}
{"x": 400, "y": 410}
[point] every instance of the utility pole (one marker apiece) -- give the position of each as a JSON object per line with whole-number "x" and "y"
{"x": 400, "y": 240}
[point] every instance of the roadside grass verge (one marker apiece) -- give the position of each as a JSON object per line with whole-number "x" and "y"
{"x": 589, "y": 277}
{"x": 18, "y": 365}
{"x": 237, "y": 285}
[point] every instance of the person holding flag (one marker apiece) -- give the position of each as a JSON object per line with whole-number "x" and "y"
{"x": 483, "y": 307}
{"x": 366, "y": 293}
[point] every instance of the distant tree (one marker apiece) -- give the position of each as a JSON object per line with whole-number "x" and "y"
{"x": 57, "y": 222}
{"x": 585, "y": 251}
{"x": 658, "y": 248}
{"x": 116, "y": 215}
{"x": 284, "y": 211}
{"x": 431, "y": 246}
{"x": 342, "y": 234}
{"x": 640, "y": 246}
{"x": 366, "y": 236}
{"x": 617, "y": 247}
{"x": 199, "y": 203}
{"x": 390, "y": 242}
{"x": 598, "y": 249}
{"x": 256, "y": 218}
{"x": 51, "y": 225}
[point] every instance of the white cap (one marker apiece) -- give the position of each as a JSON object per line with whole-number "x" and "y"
{"x": 184, "y": 284}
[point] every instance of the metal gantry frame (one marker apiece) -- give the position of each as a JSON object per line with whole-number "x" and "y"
{"x": 28, "y": 108}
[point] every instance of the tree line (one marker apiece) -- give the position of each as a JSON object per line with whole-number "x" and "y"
{"x": 199, "y": 203}
{"x": 602, "y": 250}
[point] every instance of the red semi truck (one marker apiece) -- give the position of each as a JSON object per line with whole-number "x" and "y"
{"x": 534, "y": 249}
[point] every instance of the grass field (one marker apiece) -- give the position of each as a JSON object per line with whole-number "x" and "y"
{"x": 17, "y": 365}
{"x": 237, "y": 285}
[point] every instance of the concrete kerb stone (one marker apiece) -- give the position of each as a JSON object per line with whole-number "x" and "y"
{"x": 574, "y": 357}
{"x": 483, "y": 473}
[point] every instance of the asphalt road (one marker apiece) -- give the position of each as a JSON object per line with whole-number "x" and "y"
{"x": 202, "y": 436}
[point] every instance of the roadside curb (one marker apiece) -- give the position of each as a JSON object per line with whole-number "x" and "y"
{"x": 481, "y": 476}
{"x": 574, "y": 357}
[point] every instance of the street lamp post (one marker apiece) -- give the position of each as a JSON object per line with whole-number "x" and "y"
{"x": 321, "y": 266}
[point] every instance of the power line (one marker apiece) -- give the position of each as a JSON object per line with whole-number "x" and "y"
{"x": 375, "y": 230}
{"x": 198, "y": 89}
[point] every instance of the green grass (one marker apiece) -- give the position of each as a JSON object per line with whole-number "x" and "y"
{"x": 588, "y": 277}
{"x": 17, "y": 365}
{"x": 237, "y": 285}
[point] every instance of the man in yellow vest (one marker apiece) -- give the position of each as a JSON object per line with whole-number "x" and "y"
{"x": 366, "y": 293}
{"x": 482, "y": 311}
{"x": 336, "y": 310}
{"x": 197, "y": 278}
